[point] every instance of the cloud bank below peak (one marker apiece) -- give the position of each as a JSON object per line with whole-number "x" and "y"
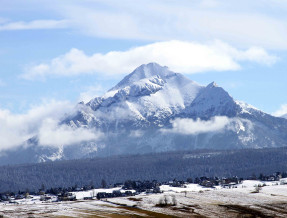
{"x": 187, "y": 126}
{"x": 42, "y": 121}
{"x": 52, "y": 134}
{"x": 179, "y": 56}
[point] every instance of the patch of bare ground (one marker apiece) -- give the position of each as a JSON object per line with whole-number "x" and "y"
{"x": 164, "y": 205}
{"x": 196, "y": 206}
{"x": 147, "y": 213}
{"x": 92, "y": 214}
{"x": 138, "y": 212}
{"x": 245, "y": 211}
{"x": 188, "y": 210}
{"x": 184, "y": 210}
{"x": 135, "y": 199}
{"x": 62, "y": 216}
{"x": 280, "y": 209}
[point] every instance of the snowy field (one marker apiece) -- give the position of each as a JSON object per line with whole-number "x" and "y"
{"x": 191, "y": 201}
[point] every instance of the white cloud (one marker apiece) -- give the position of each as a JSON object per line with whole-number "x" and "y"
{"x": 231, "y": 21}
{"x": 188, "y": 126}
{"x": 52, "y": 134}
{"x": 91, "y": 92}
{"x": 245, "y": 23}
{"x": 34, "y": 24}
{"x": 40, "y": 120}
{"x": 13, "y": 131}
{"x": 17, "y": 128}
{"x": 282, "y": 111}
{"x": 253, "y": 54}
{"x": 180, "y": 56}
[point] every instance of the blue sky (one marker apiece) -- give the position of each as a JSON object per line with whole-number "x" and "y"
{"x": 67, "y": 51}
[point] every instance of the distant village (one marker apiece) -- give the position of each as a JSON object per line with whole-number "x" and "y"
{"x": 131, "y": 188}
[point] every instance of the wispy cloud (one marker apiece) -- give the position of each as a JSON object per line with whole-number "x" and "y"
{"x": 228, "y": 20}
{"x": 282, "y": 111}
{"x": 16, "y": 128}
{"x": 41, "y": 120}
{"x": 91, "y": 92}
{"x": 188, "y": 126}
{"x": 180, "y": 56}
{"x": 35, "y": 24}
{"x": 165, "y": 20}
{"x": 53, "y": 134}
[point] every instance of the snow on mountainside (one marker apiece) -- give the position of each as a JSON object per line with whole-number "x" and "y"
{"x": 136, "y": 112}
{"x": 146, "y": 97}
{"x": 213, "y": 101}
{"x": 154, "y": 109}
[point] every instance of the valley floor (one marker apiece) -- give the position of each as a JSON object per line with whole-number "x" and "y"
{"x": 192, "y": 201}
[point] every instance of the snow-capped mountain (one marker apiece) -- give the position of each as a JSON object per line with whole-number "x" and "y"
{"x": 154, "y": 109}
{"x": 148, "y": 97}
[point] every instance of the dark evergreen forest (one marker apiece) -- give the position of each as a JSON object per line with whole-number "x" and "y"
{"x": 157, "y": 166}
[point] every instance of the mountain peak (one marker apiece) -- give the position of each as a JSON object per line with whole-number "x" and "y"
{"x": 145, "y": 71}
{"x": 151, "y": 67}
{"x": 211, "y": 85}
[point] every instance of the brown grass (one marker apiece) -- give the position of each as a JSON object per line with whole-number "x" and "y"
{"x": 245, "y": 211}
{"x": 147, "y": 213}
{"x": 135, "y": 199}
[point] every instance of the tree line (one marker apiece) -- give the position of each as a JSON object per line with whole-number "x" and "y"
{"x": 156, "y": 166}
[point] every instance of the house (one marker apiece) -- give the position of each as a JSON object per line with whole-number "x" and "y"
{"x": 229, "y": 185}
{"x": 88, "y": 198}
{"x": 66, "y": 197}
{"x": 45, "y": 198}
